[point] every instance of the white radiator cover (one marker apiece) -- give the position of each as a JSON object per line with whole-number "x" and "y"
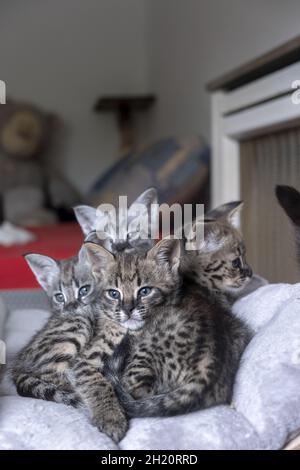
{"x": 250, "y": 110}
{"x": 256, "y": 145}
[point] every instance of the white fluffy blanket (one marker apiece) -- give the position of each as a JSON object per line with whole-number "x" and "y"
{"x": 265, "y": 412}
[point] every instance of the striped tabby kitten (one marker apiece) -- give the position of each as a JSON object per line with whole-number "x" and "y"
{"x": 218, "y": 263}
{"x": 68, "y": 354}
{"x": 183, "y": 348}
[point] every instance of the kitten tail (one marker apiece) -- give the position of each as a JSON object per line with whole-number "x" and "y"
{"x": 170, "y": 403}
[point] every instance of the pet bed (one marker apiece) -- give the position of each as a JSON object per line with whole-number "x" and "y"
{"x": 265, "y": 412}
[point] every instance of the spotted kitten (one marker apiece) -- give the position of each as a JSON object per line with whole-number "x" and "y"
{"x": 218, "y": 262}
{"x": 183, "y": 348}
{"x": 64, "y": 360}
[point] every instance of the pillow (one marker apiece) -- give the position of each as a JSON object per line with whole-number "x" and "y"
{"x": 178, "y": 168}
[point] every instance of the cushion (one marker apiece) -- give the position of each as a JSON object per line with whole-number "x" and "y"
{"x": 178, "y": 168}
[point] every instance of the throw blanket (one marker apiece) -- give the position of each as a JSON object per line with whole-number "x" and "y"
{"x": 265, "y": 412}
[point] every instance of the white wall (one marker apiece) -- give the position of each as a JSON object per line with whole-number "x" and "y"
{"x": 62, "y": 55}
{"x": 193, "y": 41}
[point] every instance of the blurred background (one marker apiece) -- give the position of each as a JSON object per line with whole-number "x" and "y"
{"x": 109, "y": 97}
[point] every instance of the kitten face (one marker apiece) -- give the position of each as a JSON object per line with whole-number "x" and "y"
{"x": 133, "y": 239}
{"x": 133, "y": 284}
{"x": 69, "y": 284}
{"x": 219, "y": 261}
{"x": 227, "y": 267}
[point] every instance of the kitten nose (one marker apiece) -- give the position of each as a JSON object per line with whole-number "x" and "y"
{"x": 128, "y": 309}
{"x": 73, "y": 305}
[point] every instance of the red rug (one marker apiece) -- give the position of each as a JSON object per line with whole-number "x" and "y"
{"x": 58, "y": 241}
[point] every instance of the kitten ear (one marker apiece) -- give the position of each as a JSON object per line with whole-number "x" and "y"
{"x": 98, "y": 257}
{"x": 95, "y": 237}
{"x": 167, "y": 250}
{"x": 289, "y": 199}
{"x": 209, "y": 236}
{"x": 83, "y": 256}
{"x": 44, "y": 268}
{"x": 226, "y": 211}
{"x": 147, "y": 198}
{"x": 233, "y": 216}
{"x": 86, "y": 217}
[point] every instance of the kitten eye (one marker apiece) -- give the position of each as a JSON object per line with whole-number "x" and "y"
{"x": 114, "y": 294}
{"x": 236, "y": 263}
{"x": 59, "y": 297}
{"x": 84, "y": 290}
{"x": 144, "y": 291}
{"x": 132, "y": 236}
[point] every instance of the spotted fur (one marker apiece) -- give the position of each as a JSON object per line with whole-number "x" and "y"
{"x": 183, "y": 347}
{"x": 218, "y": 262}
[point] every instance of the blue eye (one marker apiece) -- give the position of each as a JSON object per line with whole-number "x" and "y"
{"x": 144, "y": 291}
{"x": 236, "y": 263}
{"x": 59, "y": 297}
{"x": 84, "y": 290}
{"x": 114, "y": 294}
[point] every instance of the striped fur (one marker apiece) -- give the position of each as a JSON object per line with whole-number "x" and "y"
{"x": 63, "y": 362}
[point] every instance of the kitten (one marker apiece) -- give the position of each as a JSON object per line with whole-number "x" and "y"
{"x": 218, "y": 262}
{"x": 133, "y": 238}
{"x": 256, "y": 281}
{"x": 63, "y": 361}
{"x": 183, "y": 347}
{"x": 289, "y": 199}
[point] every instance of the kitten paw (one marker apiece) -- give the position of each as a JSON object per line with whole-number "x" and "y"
{"x": 115, "y": 425}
